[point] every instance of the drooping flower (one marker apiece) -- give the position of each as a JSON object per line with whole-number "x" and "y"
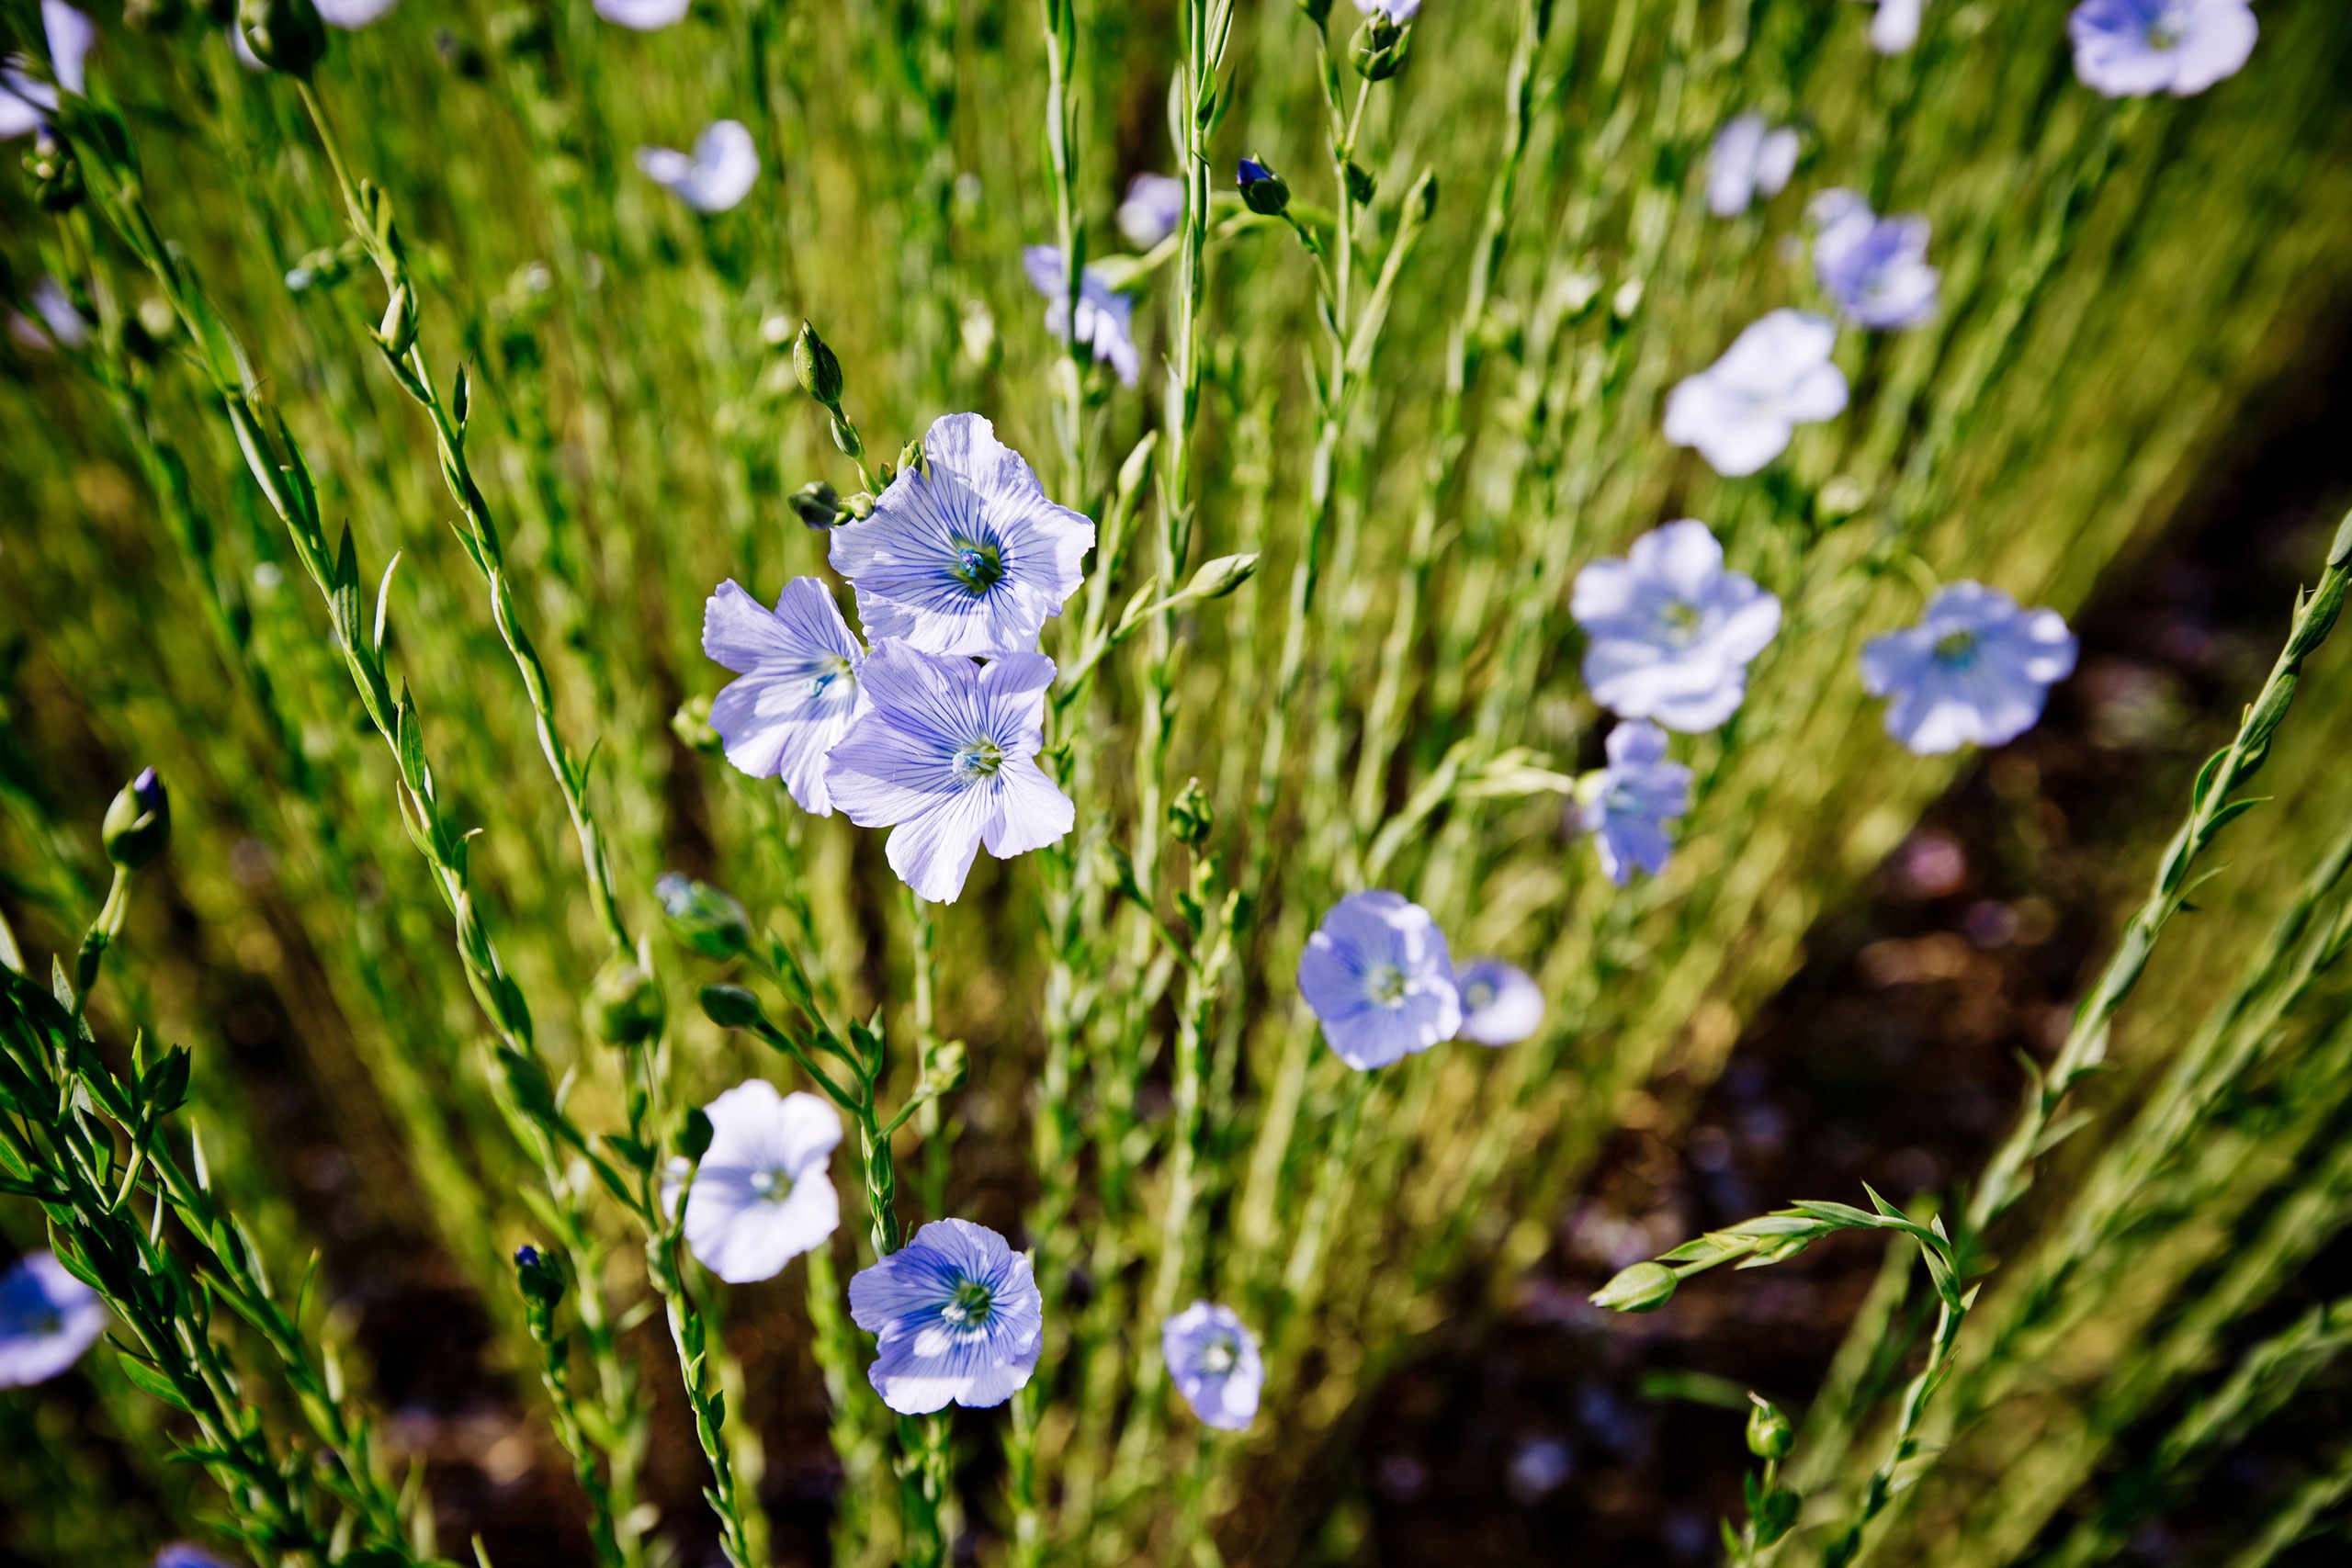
{"x": 959, "y": 1319}
{"x": 718, "y": 175}
{"x": 1627, "y": 806}
{"x": 1874, "y": 268}
{"x": 350, "y": 15}
{"x": 1741, "y": 410}
{"x": 763, "y": 1193}
{"x": 964, "y": 554}
{"x": 47, "y": 1319}
{"x": 1501, "y": 1003}
{"x": 644, "y": 16}
{"x": 1397, "y": 11}
{"x": 798, "y": 688}
{"x": 944, "y": 756}
{"x": 1750, "y": 159}
{"x": 1154, "y": 206}
{"x": 1671, "y": 632}
{"x": 2129, "y": 48}
{"x": 26, "y": 101}
{"x": 1213, "y": 1361}
{"x": 1105, "y": 316}
{"x": 1378, "y": 977}
{"x": 1976, "y": 669}
{"x": 1896, "y": 27}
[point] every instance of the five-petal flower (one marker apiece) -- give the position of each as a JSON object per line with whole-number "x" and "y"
{"x": 1976, "y": 669}
{"x": 1671, "y": 632}
{"x": 798, "y": 687}
{"x": 716, "y": 177}
{"x": 1741, "y": 410}
{"x": 1378, "y": 976}
{"x": 1874, "y": 268}
{"x": 1212, "y": 1360}
{"x": 958, "y": 1315}
{"x": 763, "y": 1193}
{"x": 1627, "y": 806}
{"x": 2129, "y": 48}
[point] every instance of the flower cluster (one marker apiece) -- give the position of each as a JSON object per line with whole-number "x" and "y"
{"x": 961, "y": 557}
{"x": 1379, "y": 978}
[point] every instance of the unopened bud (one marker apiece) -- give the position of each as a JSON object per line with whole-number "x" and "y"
{"x": 1262, "y": 190}
{"x": 846, "y": 438}
{"x": 819, "y": 372}
{"x": 285, "y": 34}
{"x": 398, "y": 332}
{"x": 911, "y": 456}
{"x": 694, "y": 1138}
{"x": 541, "y": 1280}
{"x": 731, "y": 1007}
{"x": 705, "y": 918}
{"x": 625, "y": 1003}
{"x": 1222, "y": 576}
{"x": 859, "y": 505}
{"x": 1644, "y": 1287}
{"x": 691, "y": 725}
{"x": 1190, "y": 816}
{"x": 818, "y": 505}
{"x": 1380, "y": 47}
{"x": 1769, "y": 1436}
{"x": 139, "y": 823}
{"x": 56, "y": 174}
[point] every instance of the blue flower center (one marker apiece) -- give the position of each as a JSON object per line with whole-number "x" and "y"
{"x": 969, "y": 1305}
{"x": 829, "y": 669}
{"x": 771, "y": 1186}
{"x": 1219, "y": 1356}
{"x": 980, "y": 565}
{"x": 1956, "y": 646}
{"x": 981, "y": 759}
{"x": 1385, "y": 985}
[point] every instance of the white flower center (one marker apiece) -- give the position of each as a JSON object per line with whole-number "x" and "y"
{"x": 772, "y": 1186}
{"x": 829, "y": 669}
{"x": 1219, "y": 1356}
{"x": 1385, "y": 985}
{"x": 980, "y": 758}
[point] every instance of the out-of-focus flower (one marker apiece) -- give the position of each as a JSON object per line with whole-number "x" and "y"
{"x": 959, "y": 1317}
{"x": 1896, "y": 27}
{"x": 1154, "y": 206}
{"x": 1671, "y": 631}
{"x": 1104, "y": 315}
{"x": 1501, "y": 1003}
{"x": 1750, "y": 159}
{"x": 54, "y": 323}
{"x": 797, "y": 689}
{"x": 1378, "y": 976}
{"x": 26, "y": 101}
{"x": 1627, "y": 806}
{"x": 963, "y": 554}
{"x": 645, "y": 16}
{"x": 1976, "y": 669}
{"x": 1397, "y": 11}
{"x": 1874, "y": 268}
{"x": 2129, "y": 48}
{"x": 47, "y": 1318}
{"x": 186, "y": 1555}
{"x": 945, "y": 755}
{"x": 1213, "y": 1361}
{"x": 763, "y": 1193}
{"x": 349, "y": 14}
{"x": 718, "y": 175}
{"x": 1741, "y": 410}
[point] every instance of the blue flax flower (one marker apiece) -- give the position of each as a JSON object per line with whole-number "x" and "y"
{"x": 763, "y": 1193}
{"x": 716, "y": 177}
{"x": 47, "y": 1319}
{"x": 1397, "y": 11}
{"x": 1671, "y": 632}
{"x": 964, "y": 554}
{"x": 1741, "y": 410}
{"x": 2129, "y": 48}
{"x": 1875, "y": 268}
{"x": 1378, "y": 976}
{"x": 945, "y": 756}
{"x": 1154, "y": 206}
{"x": 1501, "y": 1003}
{"x": 1750, "y": 159}
{"x": 1895, "y": 27}
{"x": 959, "y": 1318}
{"x": 1977, "y": 668}
{"x": 26, "y": 101}
{"x": 1213, "y": 1361}
{"x": 184, "y": 1554}
{"x": 1105, "y": 317}
{"x": 797, "y": 689}
{"x": 1627, "y": 806}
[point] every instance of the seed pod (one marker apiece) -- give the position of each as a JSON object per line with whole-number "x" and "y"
{"x": 625, "y": 1003}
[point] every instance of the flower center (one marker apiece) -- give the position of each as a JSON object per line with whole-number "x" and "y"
{"x": 1218, "y": 1357}
{"x": 980, "y": 565}
{"x": 1385, "y": 985}
{"x": 1956, "y": 646}
{"x": 968, "y": 1305}
{"x": 981, "y": 759}
{"x": 1477, "y": 995}
{"x": 1682, "y": 620}
{"x": 2164, "y": 33}
{"x": 771, "y": 1186}
{"x": 829, "y": 669}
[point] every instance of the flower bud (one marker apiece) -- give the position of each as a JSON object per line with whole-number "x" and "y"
{"x": 818, "y": 505}
{"x": 911, "y": 456}
{"x": 625, "y": 1005}
{"x": 1769, "y": 1436}
{"x": 731, "y": 1007}
{"x": 139, "y": 823}
{"x": 1220, "y": 577}
{"x": 541, "y": 1280}
{"x": 694, "y": 1138}
{"x": 691, "y": 725}
{"x": 285, "y": 34}
{"x": 398, "y": 332}
{"x": 1316, "y": 11}
{"x": 1262, "y": 190}
{"x": 860, "y": 506}
{"x": 819, "y": 372}
{"x": 56, "y": 174}
{"x": 1380, "y": 47}
{"x": 705, "y": 918}
{"x": 1644, "y": 1287}
{"x": 845, "y": 437}
{"x": 1190, "y": 816}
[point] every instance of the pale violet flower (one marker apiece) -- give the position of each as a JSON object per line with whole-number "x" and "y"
{"x": 1627, "y": 806}
{"x": 1397, "y": 11}
{"x": 350, "y": 15}
{"x": 798, "y": 689}
{"x": 1501, "y": 1003}
{"x": 763, "y": 1193}
{"x": 1670, "y": 631}
{"x": 1154, "y": 206}
{"x": 1741, "y": 410}
{"x": 55, "y": 322}
{"x": 1377, "y": 974}
{"x": 645, "y": 16}
{"x": 1874, "y": 268}
{"x": 964, "y": 554}
{"x": 1213, "y": 1361}
{"x": 959, "y": 1319}
{"x": 718, "y": 175}
{"x": 1896, "y": 27}
{"x": 2129, "y": 48}
{"x": 944, "y": 756}
{"x": 184, "y": 1554}
{"x": 1105, "y": 317}
{"x": 1750, "y": 159}
{"x": 1976, "y": 669}
{"x": 47, "y": 1318}
{"x": 26, "y": 101}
